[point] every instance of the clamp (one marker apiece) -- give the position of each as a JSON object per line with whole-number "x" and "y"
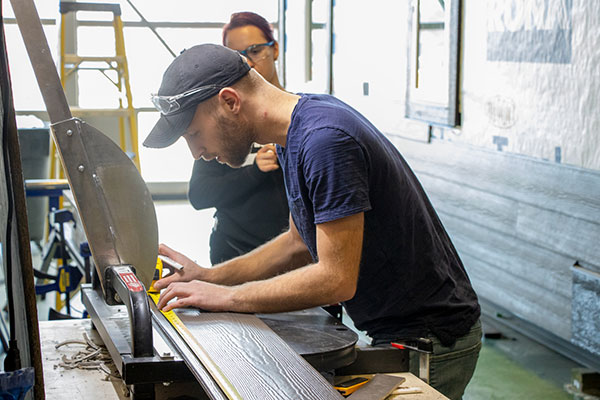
{"x": 424, "y": 347}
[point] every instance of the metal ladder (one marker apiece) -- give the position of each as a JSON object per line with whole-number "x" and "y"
{"x": 71, "y": 63}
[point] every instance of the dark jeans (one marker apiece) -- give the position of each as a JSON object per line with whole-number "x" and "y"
{"x": 451, "y": 368}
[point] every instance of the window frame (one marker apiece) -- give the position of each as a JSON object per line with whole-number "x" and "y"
{"x": 447, "y": 114}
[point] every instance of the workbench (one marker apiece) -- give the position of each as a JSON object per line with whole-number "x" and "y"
{"x": 61, "y": 383}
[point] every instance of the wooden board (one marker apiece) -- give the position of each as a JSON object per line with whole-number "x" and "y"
{"x": 530, "y": 223}
{"x": 412, "y": 388}
{"x": 541, "y": 268}
{"x": 378, "y": 388}
{"x": 248, "y": 360}
{"x": 520, "y": 298}
{"x": 568, "y": 190}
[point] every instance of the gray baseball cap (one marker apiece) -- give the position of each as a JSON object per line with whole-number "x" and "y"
{"x": 197, "y": 74}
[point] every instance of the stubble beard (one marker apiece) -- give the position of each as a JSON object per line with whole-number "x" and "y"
{"x": 236, "y": 141}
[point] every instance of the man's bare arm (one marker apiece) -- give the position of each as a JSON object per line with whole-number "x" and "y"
{"x": 283, "y": 253}
{"x": 333, "y": 279}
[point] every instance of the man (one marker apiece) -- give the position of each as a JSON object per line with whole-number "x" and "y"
{"x": 362, "y": 230}
{"x": 250, "y": 201}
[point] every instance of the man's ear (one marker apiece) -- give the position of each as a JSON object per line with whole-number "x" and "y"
{"x": 230, "y": 99}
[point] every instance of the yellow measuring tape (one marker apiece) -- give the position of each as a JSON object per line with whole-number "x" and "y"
{"x": 212, "y": 368}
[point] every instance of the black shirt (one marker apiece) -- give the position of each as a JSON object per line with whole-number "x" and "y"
{"x": 251, "y": 204}
{"x": 411, "y": 280}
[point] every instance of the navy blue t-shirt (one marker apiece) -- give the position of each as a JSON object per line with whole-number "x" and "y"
{"x": 411, "y": 280}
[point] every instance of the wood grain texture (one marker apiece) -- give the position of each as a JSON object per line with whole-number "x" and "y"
{"x": 518, "y": 223}
{"x": 523, "y": 200}
{"x": 484, "y": 208}
{"x": 514, "y": 257}
{"x": 561, "y": 233}
{"x": 378, "y": 388}
{"x": 562, "y": 188}
{"x": 421, "y": 391}
{"x": 538, "y": 306}
{"x": 256, "y": 363}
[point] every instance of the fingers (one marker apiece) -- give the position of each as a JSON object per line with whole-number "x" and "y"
{"x": 267, "y": 152}
{"x": 266, "y": 158}
{"x": 165, "y": 250}
{"x": 179, "y": 303}
{"x": 164, "y": 282}
{"x": 179, "y": 291}
{"x": 267, "y": 148}
{"x": 169, "y": 252}
{"x": 163, "y": 299}
{"x": 262, "y": 150}
{"x": 270, "y": 157}
{"x": 202, "y": 295}
{"x": 168, "y": 294}
{"x": 268, "y": 167}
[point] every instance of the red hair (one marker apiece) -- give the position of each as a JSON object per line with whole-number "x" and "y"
{"x": 246, "y": 18}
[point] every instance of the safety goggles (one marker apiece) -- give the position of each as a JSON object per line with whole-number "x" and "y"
{"x": 170, "y": 104}
{"x": 256, "y": 53}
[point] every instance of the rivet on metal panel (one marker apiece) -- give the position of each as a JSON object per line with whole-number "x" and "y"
{"x": 81, "y": 168}
{"x": 78, "y": 125}
{"x": 69, "y": 132}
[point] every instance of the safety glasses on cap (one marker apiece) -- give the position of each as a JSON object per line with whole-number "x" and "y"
{"x": 170, "y": 104}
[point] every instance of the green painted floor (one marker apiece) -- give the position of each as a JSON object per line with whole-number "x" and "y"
{"x": 498, "y": 377}
{"x": 515, "y": 367}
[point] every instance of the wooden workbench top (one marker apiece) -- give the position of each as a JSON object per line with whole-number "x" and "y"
{"x": 412, "y": 388}
{"x": 61, "y": 383}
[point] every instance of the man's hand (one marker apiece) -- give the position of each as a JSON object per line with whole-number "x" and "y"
{"x": 198, "y": 294}
{"x": 266, "y": 158}
{"x": 190, "y": 270}
{"x": 284, "y": 285}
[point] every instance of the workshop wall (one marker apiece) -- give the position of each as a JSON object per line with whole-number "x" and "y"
{"x": 517, "y": 184}
{"x": 369, "y": 66}
{"x": 531, "y": 79}
{"x": 529, "y": 73}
